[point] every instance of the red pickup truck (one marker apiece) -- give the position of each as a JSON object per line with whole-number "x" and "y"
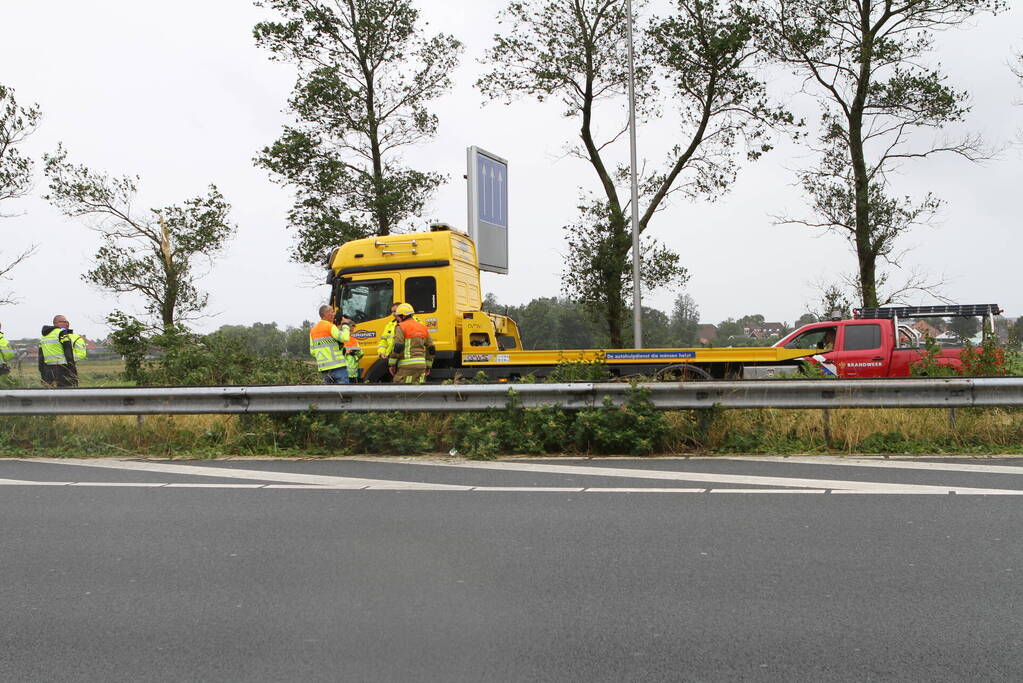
{"x": 875, "y": 343}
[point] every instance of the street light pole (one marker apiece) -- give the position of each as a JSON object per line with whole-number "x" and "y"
{"x": 637, "y": 296}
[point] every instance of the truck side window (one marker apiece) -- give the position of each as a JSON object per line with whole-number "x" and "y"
{"x": 862, "y": 337}
{"x": 421, "y": 293}
{"x": 822, "y": 338}
{"x": 367, "y": 300}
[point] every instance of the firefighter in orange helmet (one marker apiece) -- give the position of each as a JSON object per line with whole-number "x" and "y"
{"x": 412, "y": 355}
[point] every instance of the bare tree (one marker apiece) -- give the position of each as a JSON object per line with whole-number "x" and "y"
{"x": 152, "y": 254}
{"x": 864, "y": 60}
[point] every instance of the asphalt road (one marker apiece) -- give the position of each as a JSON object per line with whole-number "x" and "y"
{"x": 540, "y": 570}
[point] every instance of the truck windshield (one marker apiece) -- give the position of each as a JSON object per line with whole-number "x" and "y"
{"x": 367, "y": 300}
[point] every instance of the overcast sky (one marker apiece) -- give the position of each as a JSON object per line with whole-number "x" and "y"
{"x": 179, "y": 94}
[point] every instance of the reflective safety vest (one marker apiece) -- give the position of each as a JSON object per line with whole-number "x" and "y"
{"x": 353, "y": 354}
{"x": 51, "y": 347}
{"x": 413, "y": 347}
{"x": 78, "y": 346}
{"x": 6, "y": 352}
{"x": 386, "y": 343}
{"x": 326, "y": 344}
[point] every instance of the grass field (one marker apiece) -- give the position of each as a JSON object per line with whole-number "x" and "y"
{"x": 91, "y": 373}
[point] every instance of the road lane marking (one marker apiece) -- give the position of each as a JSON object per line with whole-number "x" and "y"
{"x": 892, "y": 464}
{"x": 749, "y": 480}
{"x": 262, "y": 475}
{"x": 498, "y": 489}
{"x": 298, "y": 480}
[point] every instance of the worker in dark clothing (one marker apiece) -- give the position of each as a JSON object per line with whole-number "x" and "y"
{"x": 57, "y": 354}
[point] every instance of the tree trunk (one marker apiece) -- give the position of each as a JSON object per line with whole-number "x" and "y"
{"x": 865, "y": 256}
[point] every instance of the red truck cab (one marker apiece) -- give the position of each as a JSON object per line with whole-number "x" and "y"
{"x": 874, "y": 343}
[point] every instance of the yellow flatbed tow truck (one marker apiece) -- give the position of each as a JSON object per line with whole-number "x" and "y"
{"x": 437, "y": 272}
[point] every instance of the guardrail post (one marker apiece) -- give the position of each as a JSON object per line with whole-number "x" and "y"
{"x": 952, "y": 418}
{"x": 826, "y": 418}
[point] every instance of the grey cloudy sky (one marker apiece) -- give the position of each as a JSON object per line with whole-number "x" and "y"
{"x": 178, "y": 93}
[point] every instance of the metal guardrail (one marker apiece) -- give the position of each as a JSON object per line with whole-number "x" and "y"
{"x": 861, "y": 393}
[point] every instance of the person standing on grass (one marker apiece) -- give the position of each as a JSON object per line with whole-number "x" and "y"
{"x": 6, "y": 354}
{"x": 327, "y": 345}
{"x": 59, "y": 348}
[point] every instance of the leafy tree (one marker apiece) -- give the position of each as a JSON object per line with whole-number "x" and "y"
{"x": 366, "y": 72}
{"x": 657, "y": 332}
{"x": 751, "y": 320}
{"x": 490, "y": 304}
{"x": 16, "y": 123}
{"x": 599, "y": 276}
{"x": 263, "y": 340}
{"x": 297, "y": 340}
{"x": 964, "y": 328}
{"x": 551, "y": 323}
{"x": 865, "y": 62}
{"x": 833, "y": 301}
{"x": 1014, "y": 335}
{"x": 729, "y": 330}
{"x": 574, "y": 51}
{"x": 685, "y": 321}
{"x": 806, "y": 319}
{"x": 152, "y": 254}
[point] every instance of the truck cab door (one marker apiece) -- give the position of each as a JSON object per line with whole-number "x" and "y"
{"x": 821, "y": 337}
{"x": 860, "y": 351}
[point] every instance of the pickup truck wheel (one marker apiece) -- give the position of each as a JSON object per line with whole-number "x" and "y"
{"x": 681, "y": 373}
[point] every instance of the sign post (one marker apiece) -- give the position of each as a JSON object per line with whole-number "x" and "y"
{"x": 488, "y": 208}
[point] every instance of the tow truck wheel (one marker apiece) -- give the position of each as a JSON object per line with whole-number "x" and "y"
{"x": 378, "y": 373}
{"x": 682, "y": 372}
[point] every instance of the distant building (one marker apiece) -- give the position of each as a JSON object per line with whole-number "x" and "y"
{"x": 926, "y": 329}
{"x": 765, "y": 331}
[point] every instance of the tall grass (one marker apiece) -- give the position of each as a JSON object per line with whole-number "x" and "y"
{"x": 916, "y": 431}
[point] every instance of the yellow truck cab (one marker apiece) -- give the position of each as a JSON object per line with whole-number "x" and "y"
{"x": 437, "y": 272}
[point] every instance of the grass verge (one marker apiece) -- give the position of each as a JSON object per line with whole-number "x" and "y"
{"x": 544, "y": 431}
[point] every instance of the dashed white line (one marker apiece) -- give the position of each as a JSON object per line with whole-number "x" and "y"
{"x": 711, "y": 477}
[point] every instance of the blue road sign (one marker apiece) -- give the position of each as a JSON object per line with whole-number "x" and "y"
{"x": 488, "y": 208}
{"x": 492, "y": 191}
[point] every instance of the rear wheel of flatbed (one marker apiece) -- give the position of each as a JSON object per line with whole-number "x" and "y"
{"x": 682, "y": 372}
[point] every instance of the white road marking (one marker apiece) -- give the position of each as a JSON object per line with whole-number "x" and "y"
{"x": 262, "y": 475}
{"x": 294, "y": 480}
{"x": 879, "y": 463}
{"x": 492, "y": 489}
{"x": 749, "y": 480}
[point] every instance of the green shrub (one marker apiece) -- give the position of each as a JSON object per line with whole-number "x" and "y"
{"x": 929, "y": 365}
{"x": 635, "y": 427}
{"x": 512, "y": 430}
{"x": 580, "y": 370}
{"x": 183, "y": 358}
{"x": 984, "y": 360}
